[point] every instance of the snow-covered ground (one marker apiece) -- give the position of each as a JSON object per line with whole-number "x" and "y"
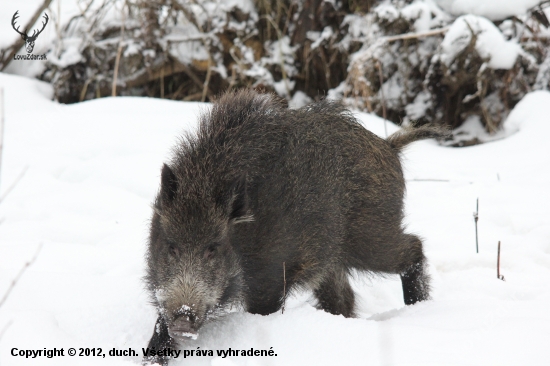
{"x": 92, "y": 169}
{"x": 492, "y": 9}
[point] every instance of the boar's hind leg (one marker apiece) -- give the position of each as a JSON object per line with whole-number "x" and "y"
{"x": 335, "y": 294}
{"x": 159, "y": 341}
{"x": 415, "y": 280}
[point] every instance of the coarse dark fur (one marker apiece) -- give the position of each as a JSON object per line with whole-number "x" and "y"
{"x": 260, "y": 185}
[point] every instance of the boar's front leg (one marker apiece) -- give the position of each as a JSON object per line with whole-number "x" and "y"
{"x": 335, "y": 294}
{"x": 159, "y": 342}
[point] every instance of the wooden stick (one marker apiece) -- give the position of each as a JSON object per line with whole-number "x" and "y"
{"x": 499, "y": 276}
{"x": 162, "y": 83}
{"x": 476, "y": 217}
{"x": 416, "y": 35}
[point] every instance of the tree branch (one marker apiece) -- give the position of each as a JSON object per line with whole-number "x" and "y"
{"x": 16, "y": 279}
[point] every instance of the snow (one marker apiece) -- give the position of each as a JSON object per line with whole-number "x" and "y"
{"x": 93, "y": 171}
{"x": 425, "y": 13}
{"x": 71, "y": 54}
{"x": 490, "y": 43}
{"x": 247, "y": 6}
{"x": 325, "y": 35}
{"x": 386, "y": 11}
{"x": 420, "y": 12}
{"x": 299, "y": 99}
{"x": 492, "y": 9}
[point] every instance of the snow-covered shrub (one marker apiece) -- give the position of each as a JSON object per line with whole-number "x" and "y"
{"x": 408, "y": 60}
{"x": 417, "y": 64}
{"x": 194, "y": 50}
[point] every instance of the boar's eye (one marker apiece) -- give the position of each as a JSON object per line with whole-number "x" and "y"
{"x": 173, "y": 250}
{"x": 211, "y": 251}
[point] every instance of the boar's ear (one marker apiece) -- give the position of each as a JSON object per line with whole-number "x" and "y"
{"x": 168, "y": 185}
{"x": 238, "y": 202}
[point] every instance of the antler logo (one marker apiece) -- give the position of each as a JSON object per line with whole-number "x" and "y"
{"x": 29, "y": 41}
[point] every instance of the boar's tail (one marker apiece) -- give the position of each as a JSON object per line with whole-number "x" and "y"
{"x": 404, "y": 137}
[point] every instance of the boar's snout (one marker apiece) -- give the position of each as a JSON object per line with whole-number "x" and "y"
{"x": 184, "y": 326}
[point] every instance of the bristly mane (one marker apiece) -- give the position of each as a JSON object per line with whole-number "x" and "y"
{"x": 220, "y": 134}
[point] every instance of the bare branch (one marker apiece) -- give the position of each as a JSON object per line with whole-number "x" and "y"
{"x": 14, "y": 183}
{"x": 16, "y": 279}
{"x": 1, "y": 127}
{"x": 430, "y": 33}
{"x": 5, "y": 329}
{"x": 428, "y": 180}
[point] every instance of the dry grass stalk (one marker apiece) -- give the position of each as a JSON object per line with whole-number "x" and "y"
{"x": 118, "y": 54}
{"x": 379, "y": 66}
{"x": 499, "y": 276}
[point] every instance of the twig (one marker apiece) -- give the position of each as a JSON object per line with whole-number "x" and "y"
{"x": 14, "y": 183}
{"x": 171, "y": 67}
{"x": 20, "y": 41}
{"x": 476, "y": 217}
{"x": 357, "y": 65}
{"x": 379, "y": 66}
{"x": 195, "y": 96}
{"x": 539, "y": 5}
{"x": 162, "y": 83}
{"x": 81, "y": 15}
{"x": 5, "y": 329}
{"x": 416, "y": 35}
{"x": 284, "y": 288}
{"x": 499, "y": 276}
{"x": 118, "y": 53}
{"x": 1, "y": 127}
{"x": 282, "y": 63}
{"x": 428, "y": 180}
{"x": 23, "y": 269}
{"x": 207, "y": 79}
{"x": 85, "y": 89}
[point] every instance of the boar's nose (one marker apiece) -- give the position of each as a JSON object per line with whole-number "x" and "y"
{"x": 183, "y": 327}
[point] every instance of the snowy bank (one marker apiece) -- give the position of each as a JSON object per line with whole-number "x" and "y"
{"x": 93, "y": 170}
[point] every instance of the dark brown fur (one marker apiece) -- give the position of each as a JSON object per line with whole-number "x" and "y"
{"x": 261, "y": 185}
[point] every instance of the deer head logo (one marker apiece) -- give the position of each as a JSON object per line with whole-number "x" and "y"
{"x": 29, "y": 40}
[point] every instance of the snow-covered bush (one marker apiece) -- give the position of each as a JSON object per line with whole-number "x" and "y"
{"x": 437, "y": 69}
{"x": 418, "y": 61}
{"x": 194, "y": 50}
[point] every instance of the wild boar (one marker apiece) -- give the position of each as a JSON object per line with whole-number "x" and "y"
{"x": 261, "y": 187}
